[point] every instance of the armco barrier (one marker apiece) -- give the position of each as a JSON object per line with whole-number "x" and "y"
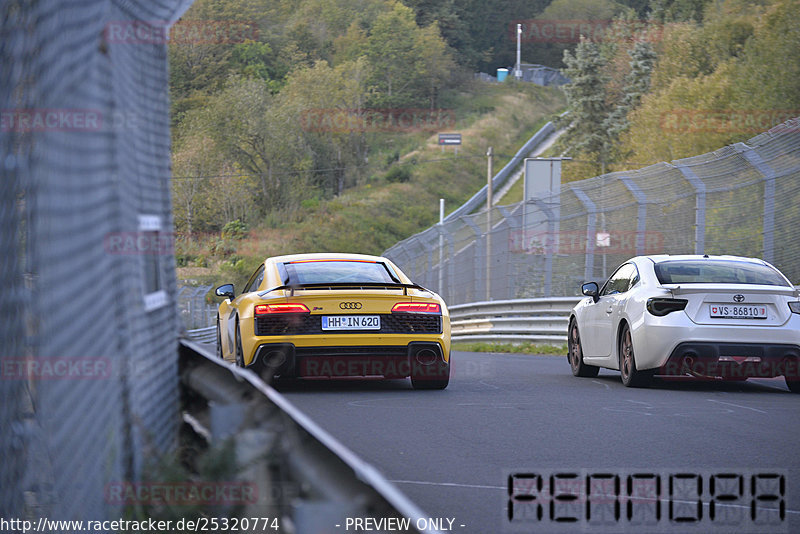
{"x": 543, "y": 320}
{"x": 513, "y": 321}
{"x": 319, "y": 482}
{"x": 203, "y": 335}
{"x": 504, "y": 321}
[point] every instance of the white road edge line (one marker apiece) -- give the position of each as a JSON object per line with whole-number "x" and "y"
{"x": 737, "y": 405}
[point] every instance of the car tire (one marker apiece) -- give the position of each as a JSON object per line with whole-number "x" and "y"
{"x": 422, "y": 377}
{"x": 219, "y": 341}
{"x": 239, "y": 351}
{"x": 793, "y": 384}
{"x": 631, "y": 376}
{"x": 575, "y": 354}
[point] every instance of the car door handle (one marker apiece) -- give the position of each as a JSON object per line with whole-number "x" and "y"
{"x": 609, "y": 310}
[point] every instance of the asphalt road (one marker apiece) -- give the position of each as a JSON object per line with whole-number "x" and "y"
{"x": 452, "y": 451}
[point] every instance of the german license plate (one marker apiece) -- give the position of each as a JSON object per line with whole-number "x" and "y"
{"x": 351, "y": 322}
{"x": 727, "y": 311}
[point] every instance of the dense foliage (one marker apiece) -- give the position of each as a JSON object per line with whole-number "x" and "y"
{"x": 257, "y": 135}
{"x": 700, "y": 76}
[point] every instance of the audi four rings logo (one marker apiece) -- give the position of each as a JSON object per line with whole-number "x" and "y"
{"x": 350, "y": 305}
{"x": 738, "y": 298}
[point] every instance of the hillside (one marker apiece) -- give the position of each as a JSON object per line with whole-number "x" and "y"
{"x": 401, "y": 198}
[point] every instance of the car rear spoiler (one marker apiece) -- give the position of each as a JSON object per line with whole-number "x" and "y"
{"x": 678, "y": 289}
{"x": 345, "y": 285}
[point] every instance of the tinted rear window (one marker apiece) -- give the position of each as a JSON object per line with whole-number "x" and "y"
{"x": 332, "y": 271}
{"x": 717, "y": 272}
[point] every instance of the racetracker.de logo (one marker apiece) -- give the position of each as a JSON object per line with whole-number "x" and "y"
{"x": 50, "y": 120}
{"x": 197, "y": 32}
{"x": 181, "y": 493}
{"x": 570, "y": 31}
{"x": 725, "y": 121}
{"x": 377, "y": 120}
{"x": 143, "y": 243}
{"x": 730, "y": 367}
{"x": 31, "y": 368}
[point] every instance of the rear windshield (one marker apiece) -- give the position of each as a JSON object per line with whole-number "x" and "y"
{"x": 717, "y": 272}
{"x": 332, "y": 271}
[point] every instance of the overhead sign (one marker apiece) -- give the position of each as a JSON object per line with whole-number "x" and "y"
{"x": 449, "y": 138}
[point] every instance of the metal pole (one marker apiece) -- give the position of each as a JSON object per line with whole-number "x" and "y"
{"x": 441, "y": 248}
{"x": 489, "y": 201}
{"x": 518, "y": 70}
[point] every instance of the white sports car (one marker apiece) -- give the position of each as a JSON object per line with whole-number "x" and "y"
{"x": 691, "y": 316}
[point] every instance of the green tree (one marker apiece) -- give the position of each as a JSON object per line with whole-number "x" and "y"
{"x": 192, "y": 165}
{"x": 319, "y": 97}
{"x": 768, "y": 73}
{"x": 714, "y": 82}
{"x": 587, "y": 130}
{"x": 259, "y": 135}
{"x": 405, "y": 59}
{"x": 597, "y": 13}
{"x": 637, "y": 84}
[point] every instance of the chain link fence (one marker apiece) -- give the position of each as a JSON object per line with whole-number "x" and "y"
{"x": 193, "y": 308}
{"x": 742, "y": 200}
{"x": 89, "y": 324}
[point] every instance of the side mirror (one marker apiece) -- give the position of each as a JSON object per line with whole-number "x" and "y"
{"x": 225, "y": 291}
{"x": 590, "y": 289}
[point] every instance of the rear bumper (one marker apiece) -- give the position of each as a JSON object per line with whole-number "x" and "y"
{"x": 419, "y": 358}
{"x": 733, "y": 360}
{"x": 657, "y": 340}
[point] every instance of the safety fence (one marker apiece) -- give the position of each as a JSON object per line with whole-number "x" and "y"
{"x": 195, "y": 312}
{"x": 89, "y": 329}
{"x": 739, "y": 200}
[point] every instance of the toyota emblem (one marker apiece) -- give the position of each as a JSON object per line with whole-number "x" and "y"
{"x": 350, "y": 305}
{"x": 738, "y": 298}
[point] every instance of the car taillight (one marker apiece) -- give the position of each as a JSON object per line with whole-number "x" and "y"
{"x": 795, "y": 306}
{"x": 662, "y": 307}
{"x": 416, "y": 307}
{"x": 262, "y": 309}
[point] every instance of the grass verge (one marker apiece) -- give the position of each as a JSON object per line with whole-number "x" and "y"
{"x": 522, "y": 348}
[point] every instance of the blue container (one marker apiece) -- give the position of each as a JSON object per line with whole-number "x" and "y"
{"x": 502, "y": 74}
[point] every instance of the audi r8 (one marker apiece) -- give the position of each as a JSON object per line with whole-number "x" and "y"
{"x": 708, "y": 317}
{"x": 335, "y": 315}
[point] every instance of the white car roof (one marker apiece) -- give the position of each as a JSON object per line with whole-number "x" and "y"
{"x": 666, "y": 257}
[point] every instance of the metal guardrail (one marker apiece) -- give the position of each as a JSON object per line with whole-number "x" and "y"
{"x": 505, "y": 321}
{"x": 331, "y": 483}
{"x": 542, "y": 320}
{"x": 203, "y": 335}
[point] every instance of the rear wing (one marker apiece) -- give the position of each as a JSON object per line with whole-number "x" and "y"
{"x": 333, "y": 286}
{"x": 678, "y": 289}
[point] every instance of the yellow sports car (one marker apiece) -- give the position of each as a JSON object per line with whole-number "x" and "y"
{"x": 335, "y": 315}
